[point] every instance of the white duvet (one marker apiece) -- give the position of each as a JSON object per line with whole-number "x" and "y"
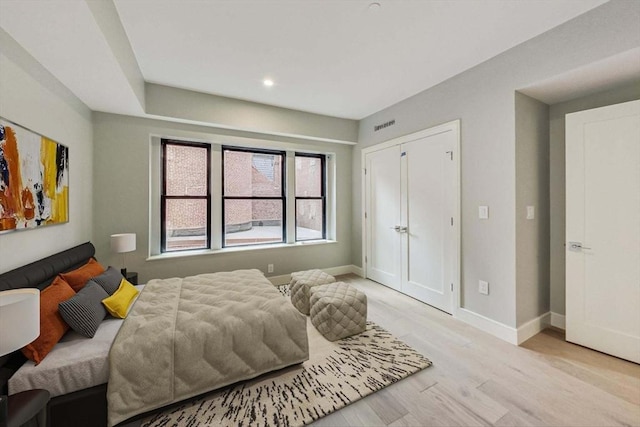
{"x": 187, "y": 336}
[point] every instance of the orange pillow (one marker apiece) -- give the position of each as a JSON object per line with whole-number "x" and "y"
{"x": 52, "y": 326}
{"x": 80, "y": 276}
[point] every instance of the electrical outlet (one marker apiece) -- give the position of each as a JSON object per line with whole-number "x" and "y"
{"x": 531, "y": 212}
{"x": 483, "y": 287}
{"x": 270, "y": 268}
{"x": 483, "y": 212}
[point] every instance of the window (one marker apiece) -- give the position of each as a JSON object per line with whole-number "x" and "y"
{"x": 310, "y": 197}
{"x": 215, "y": 196}
{"x": 185, "y": 196}
{"x": 253, "y": 196}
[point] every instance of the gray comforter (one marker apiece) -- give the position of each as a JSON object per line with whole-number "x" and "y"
{"x": 184, "y": 337}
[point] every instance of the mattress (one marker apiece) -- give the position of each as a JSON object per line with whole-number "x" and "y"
{"x": 75, "y": 363}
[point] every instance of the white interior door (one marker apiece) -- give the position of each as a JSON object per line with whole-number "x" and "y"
{"x": 429, "y": 190}
{"x": 411, "y": 215}
{"x": 603, "y": 229}
{"x": 382, "y": 193}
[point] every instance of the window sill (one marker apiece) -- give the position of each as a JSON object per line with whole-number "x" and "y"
{"x": 183, "y": 254}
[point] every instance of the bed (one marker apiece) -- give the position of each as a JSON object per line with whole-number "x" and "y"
{"x": 249, "y": 331}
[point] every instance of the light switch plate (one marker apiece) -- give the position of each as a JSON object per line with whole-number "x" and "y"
{"x": 531, "y": 212}
{"x": 483, "y": 287}
{"x": 483, "y": 212}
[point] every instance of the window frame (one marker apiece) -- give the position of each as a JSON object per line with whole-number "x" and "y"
{"x": 282, "y": 197}
{"x": 323, "y": 194}
{"x": 164, "y": 197}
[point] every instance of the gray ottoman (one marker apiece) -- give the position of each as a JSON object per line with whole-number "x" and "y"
{"x": 338, "y": 310}
{"x": 300, "y": 284}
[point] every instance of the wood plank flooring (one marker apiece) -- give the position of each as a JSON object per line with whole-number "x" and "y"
{"x": 479, "y": 380}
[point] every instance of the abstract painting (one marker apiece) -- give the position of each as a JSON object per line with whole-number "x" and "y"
{"x": 34, "y": 179}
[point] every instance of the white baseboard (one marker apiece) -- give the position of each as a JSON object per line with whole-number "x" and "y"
{"x": 358, "y": 271}
{"x": 558, "y": 320}
{"x": 502, "y": 331}
{"x": 340, "y": 270}
{"x": 334, "y": 271}
{"x": 534, "y": 326}
{"x": 490, "y": 326}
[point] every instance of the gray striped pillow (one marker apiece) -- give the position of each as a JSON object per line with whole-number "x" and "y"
{"x": 109, "y": 280}
{"x": 84, "y": 311}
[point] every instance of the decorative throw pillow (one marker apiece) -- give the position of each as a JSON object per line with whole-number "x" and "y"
{"x": 84, "y": 311}
{"x": 80, "y": 276}
{"x": 118, "y": 304}
{"x": 109, "y": 280}
{"x": 52, "y": 325}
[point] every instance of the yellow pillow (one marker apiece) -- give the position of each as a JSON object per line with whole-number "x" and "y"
{"x": 118, "y": 304}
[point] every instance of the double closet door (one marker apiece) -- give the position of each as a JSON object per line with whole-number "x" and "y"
{"x": 411, "y": 205}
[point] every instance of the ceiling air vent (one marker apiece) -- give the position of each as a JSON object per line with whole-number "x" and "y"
{"x": 376, "y": 128}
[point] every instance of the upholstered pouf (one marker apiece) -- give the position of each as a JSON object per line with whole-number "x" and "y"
{"x": 338, "y": 310}
{"x": 300, "y": 284}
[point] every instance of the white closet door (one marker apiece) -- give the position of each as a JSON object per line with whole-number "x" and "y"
{"x": 603, "y": 229}
{"x": 382, "y": 216}
{"x": 412, "y": 231}
{"x": 429, "y": 191}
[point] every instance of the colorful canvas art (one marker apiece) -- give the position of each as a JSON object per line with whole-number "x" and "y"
{"x": 34, "y": 179}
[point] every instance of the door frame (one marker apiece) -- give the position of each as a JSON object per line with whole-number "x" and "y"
{"x": 452, "y": 126}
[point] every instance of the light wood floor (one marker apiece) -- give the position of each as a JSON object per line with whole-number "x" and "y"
{"x": 477, "y": 379}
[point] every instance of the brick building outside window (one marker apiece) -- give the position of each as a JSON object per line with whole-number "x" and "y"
{"x": 254, "y": 202}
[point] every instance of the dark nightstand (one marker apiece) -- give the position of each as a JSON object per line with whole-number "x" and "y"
{"x": 28, "y": 405}
{"x": 132, "y": 277}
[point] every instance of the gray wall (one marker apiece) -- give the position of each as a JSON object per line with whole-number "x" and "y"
{"x": 121, "y": 201}
{"x": 483, "y": 98}
{"x": 557, "y": 182}
{"x": 31, "y": 97}
{"x": 532, "y": 189}
{"x": 232, "y": 113}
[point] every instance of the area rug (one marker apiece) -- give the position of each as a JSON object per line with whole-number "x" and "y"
{"x": 284, "y": 290}
{"x": 336, "y": 375}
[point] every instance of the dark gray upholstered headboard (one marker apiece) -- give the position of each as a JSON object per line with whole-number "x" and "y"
{"x": 39, "y": 275}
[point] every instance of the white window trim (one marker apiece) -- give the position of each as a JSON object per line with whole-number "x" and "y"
{"x": 217, "y": 141}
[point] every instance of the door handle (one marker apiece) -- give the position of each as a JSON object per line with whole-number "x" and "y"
{"x": 400, "y": 229}
{"x": 576, "y": 246}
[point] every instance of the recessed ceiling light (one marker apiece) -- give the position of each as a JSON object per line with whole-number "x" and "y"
{"x": 267, "y": 82}
{"x": 374, "y": 7}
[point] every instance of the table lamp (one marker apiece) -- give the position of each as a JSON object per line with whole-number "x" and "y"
{"x": 19, "y": 325}
{"x": 121, "y": 244}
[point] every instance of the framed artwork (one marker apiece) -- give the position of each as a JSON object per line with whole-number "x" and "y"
{"x": 34, "y": 179}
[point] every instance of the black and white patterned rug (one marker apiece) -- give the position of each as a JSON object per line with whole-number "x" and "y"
{"x": 337, "y": 374}
{"x": 284, "y": 290}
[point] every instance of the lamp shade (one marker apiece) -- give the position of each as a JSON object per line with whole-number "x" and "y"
{"x": 125, "y": 242}
{"x": 19, "y": 318}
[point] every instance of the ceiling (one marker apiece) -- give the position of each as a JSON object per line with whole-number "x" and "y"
{"x": 343, "y": 58}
